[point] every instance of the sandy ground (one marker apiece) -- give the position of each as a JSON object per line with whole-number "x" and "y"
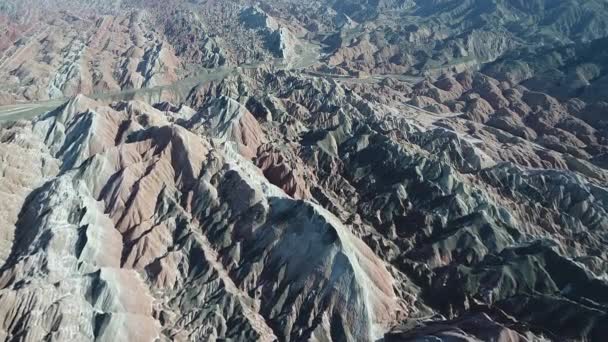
{"x": 27, "y": 110}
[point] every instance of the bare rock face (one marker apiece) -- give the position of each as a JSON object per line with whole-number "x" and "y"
{"x": 26, "y": 163}
{"x": 255, "y": 17}
{"x": 509, "y": 121}
{"x": 478, "y": 109}
{"x": 119, "y": 231}
{"x": 227, "y": 120}
{"x": 535, "y": 116}
{"x": 284, "y": 170}
{"x": 475, "y": 327}
{"x": 303, "y": 171}
{"x": 278, "y": 38}
{"x": 88, "y": 55}
{"x": 191, "y": 39}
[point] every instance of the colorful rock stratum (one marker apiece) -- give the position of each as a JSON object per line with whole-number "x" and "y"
{"x": 317, "y": 170}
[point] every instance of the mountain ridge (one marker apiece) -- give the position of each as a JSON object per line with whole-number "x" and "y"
{"x": 321, "y": 171}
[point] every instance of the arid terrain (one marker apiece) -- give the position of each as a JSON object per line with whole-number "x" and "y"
{"x": 322, "y": 170}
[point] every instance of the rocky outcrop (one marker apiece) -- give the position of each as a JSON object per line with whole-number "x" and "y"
{"x": 319, "y": 170}
{"x": 284, "y": 170}
{"x": 534, "y": 116}
{"x": 227, "y": 120}
{"x": 279, "y": 40}
{"x": 133, "y": 234}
